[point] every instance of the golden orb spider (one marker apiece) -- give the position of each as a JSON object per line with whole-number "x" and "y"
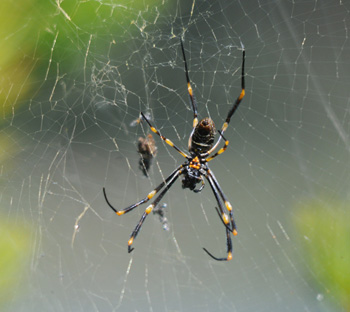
{"x": 200, "y": 147}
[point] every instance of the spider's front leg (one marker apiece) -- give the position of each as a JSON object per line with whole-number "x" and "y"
{"x": 150, "y": 208}
{"x": 144, "y": 200}
{"x": 216, "y": 186}
{"x": 229, "y": 223}
{"x": 229, "y": 249}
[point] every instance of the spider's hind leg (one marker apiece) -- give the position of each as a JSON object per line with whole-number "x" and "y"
{"x": 167, "y": 141}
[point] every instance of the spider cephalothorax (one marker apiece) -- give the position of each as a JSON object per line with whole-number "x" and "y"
{"x": 194, "y": 175}
{"x": 195, "y": 169}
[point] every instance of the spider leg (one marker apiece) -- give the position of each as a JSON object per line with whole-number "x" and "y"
{"x": 220, "y": 151}
{"x": 239, "y": 98}
{"x": 228, "y": 205}
{"x": 192, "y": 98}
{"x": 164, "y": 138}
{"x": 235, "y": 105}
{"x": 225, "y": 225}
{"x": 229, "y": 249}
{"x": 150, "y": 208}
{"x": 201, "y": 187}
{"x": 144, "y": 200}
{"x": 224, "y": 218}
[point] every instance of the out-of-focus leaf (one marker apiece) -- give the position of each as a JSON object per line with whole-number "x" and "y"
{"x": 325, "y": 227}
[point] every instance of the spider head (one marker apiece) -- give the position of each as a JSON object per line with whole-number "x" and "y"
{"x": 191, "y": 179}
{"x": 203, "y": 136}
{"x": 193, "y": 175}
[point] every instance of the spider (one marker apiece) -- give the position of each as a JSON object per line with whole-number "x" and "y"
{"x": 195, "y": 168}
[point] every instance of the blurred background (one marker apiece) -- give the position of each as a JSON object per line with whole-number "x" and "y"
{"x": 74, "y": 77}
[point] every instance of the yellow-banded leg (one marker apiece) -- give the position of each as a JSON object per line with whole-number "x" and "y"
{"x": 229, "y": 248}
{"x": 234, "y": 107}
{"x": 224, "y": 218}
{"x": 228, "y": 205}
{"x": 192, "y": 98}
{"x": 220, "y": 151}
{"x": 144, "y": 200}
{"x": 167, "y": 141}
{"x": 150, "y": 208}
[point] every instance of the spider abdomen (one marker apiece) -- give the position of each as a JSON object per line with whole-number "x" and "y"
{"x": 203, "y": 136}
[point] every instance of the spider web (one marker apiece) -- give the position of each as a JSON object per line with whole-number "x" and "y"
{"x": 72, "y": 96}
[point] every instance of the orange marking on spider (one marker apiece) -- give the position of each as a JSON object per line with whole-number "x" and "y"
{"x": 130, "y": 241}
{"x": 195, "y": 122}
{"x": 221, "y": 151}
{"x": 149, "y": 209}
{"x": 169, "y": 142}
{"x": 228, "y": 205}
{"x": 242, "y": 95}
{"x": 150, "y": 195}
{"x": 120, "y": 212}
{"x": 195, "y": 163}
{"x": 189, "y": 88}
{"x": 225, "y": 218}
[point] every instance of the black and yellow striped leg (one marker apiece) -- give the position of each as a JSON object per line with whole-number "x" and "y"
{"x": 144, "y": 200}
{"x": 239, "y": 98}
{"x": 154, "y": 130}
{"x": 192, "y": 98}
{"x": 229, "y": 249}
{"x": 217, "y": 193}
{"x": 228, "y": 205}
{"x": 224, "y": 218}
{"x": 220, "y": 151}
{"x": 150, "y": 208}
{"x": 234, "y": 107}
{"x": 189, "y": 88}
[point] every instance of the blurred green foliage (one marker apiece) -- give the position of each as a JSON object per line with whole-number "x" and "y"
{"x": 36, "y": 33}
{"x": 40, "y": 37}
{"x": 325, "y": 228}
{"x": 15, "y": 245}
